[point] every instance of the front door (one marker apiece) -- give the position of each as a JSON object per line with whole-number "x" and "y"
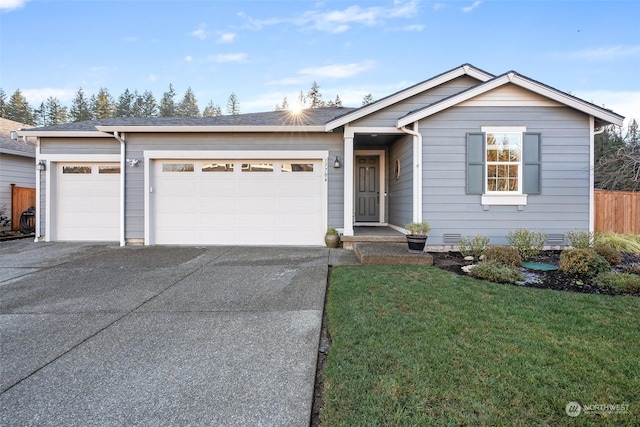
{"x": 367, "y": 188}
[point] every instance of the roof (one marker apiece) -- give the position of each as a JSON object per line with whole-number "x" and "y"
{"x": 19, "y": 147}
{"x": 602, "y": 115}
{"x": 306, "y": 120}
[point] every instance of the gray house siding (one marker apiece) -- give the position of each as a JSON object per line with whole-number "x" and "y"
{"x": 563, "y": 204}
{"x": 389, "y": 116}
{"x": 401, "y": 190}
{"x": 18, "y": 170}
{"x": 138, "y": 143}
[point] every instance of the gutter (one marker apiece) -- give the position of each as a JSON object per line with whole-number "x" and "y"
{"x": 417, "y": 170}
{"x": 123, "y": 170}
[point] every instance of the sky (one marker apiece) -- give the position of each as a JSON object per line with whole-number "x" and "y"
{"x": 265, "y": 50}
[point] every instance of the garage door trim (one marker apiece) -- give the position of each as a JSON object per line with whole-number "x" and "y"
{"x": 152, "y": 155}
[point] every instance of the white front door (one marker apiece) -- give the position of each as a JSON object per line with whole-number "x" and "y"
{"x": 87, "y": 202}
{"x": 237, "y": 202}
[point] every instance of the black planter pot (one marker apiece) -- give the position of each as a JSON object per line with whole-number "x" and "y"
{"x": 416, "y": 243}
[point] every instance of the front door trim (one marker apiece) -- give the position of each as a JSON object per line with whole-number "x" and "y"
{"x": 383, "y": 184}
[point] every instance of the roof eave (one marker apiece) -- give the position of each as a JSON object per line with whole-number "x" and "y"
{"x": 17, "y": 152}
{"x": 63, "y": 134}
{"x": 465, "y": 69}
{"x": 571, "y": 101}
{"x": 209, "y": 129}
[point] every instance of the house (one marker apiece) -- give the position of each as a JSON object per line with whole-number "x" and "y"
{"x": 468, "y": 151}
{"x": 17, "y": 168}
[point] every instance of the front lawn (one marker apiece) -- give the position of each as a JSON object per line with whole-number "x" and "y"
{"x": 422, "y": 346}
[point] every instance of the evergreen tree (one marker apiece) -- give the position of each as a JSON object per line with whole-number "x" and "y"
{"x": 302, "y": 101}
{"x": 80, "y": 110}
{"x": 188, "y": 107}
{"x": 19, "y": 110}
{"x": 211, "y": 110}
{"x": 233, "y": 105}
{"x": 167, "y": 103}
{"x": 55, "y": 112}
{"x": 102, "y": 104}
{"x": 3, "y": 104}
{"x": 284, "y": 106}
{"x": 149, "y": 106}
{"x": 335, "y": 103}
{"x": 137, "y": 105}
{"x": 40, "y": 115}
{"x": 315, "y": 97}
{"x": 124, "y": 107}
{"x": 368, "y": 99}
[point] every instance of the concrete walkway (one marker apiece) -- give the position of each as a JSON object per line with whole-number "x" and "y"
{"x": 96, "y": 334}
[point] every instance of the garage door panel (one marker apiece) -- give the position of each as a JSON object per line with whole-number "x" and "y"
{"x": 239, "y": 207}
{"x": 87, "y": 205}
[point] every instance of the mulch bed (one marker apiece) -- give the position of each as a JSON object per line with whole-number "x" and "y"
{"x": 556, "y": 280}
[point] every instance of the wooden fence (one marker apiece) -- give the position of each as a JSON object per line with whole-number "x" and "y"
{"x": 617, "y": 211}
{"x": 21, "y": 199}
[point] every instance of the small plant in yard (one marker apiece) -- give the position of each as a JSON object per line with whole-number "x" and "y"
{"x": 584, "y": 262}
{"x": 505, "y": 255}
{"x": 473, "y": 246}
{"x": 332, "y": 230}
{"x": 580, "y": 239}
{"x": 4, "y": 219}
{"x": 621, "y": 282}
{"x": 528, "y": 243}
{"x": 495, "y": 272}
{"x": 623, "y": 242}
{"x": 611, "y": 254}
{"x": 418, "y": 228}
{"x": 632, "y": 269}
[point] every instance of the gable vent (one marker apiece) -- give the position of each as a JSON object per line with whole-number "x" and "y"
{"x": 555, "y": 239}
{"x": 451, "y": 238}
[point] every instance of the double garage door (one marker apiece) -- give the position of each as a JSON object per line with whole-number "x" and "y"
{"x": 237, "y": 202}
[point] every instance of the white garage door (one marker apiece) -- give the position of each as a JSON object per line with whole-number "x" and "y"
{"x": 88, "y": 202}
{"x": 238, "y": 202}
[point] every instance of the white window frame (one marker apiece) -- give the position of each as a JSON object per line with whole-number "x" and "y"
{"x": 504, "y": 197}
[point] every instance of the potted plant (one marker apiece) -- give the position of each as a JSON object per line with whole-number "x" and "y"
{"x": 417, "y": 235}
{"x": 332, "y": 238}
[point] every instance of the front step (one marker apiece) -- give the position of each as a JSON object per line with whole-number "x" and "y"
{"x": 389, "y": 254}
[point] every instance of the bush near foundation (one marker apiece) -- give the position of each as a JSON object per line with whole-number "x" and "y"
{"x": 621, "y": 282}
{"x": 496, "y": 272}
{"x": 611, "y": 254}
{"x": 584, "y": 262}
{"x": 528, "y": 243}
{"x": 505, "y": 255}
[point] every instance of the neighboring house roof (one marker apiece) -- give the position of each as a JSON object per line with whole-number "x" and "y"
{"x": 19, "y": 147}
{"x": 604, "y": 115}
{"x": 464, "y": 69}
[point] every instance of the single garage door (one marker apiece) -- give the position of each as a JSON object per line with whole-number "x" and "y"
{"x": 238, "y": 202}
{"x": 88, "y": 202}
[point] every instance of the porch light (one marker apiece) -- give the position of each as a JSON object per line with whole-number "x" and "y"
{"x": 337, "y": 164}
{"x": 41, "y": 165}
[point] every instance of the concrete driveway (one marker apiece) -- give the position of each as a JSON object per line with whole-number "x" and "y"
{"x": 96, "y": 334}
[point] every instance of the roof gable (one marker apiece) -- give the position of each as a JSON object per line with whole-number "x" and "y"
{"x": 465, "y": 69}
{"x": 604, "y": 115}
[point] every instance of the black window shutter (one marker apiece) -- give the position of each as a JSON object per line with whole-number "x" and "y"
{"x": 475, "y": 163}
{"x": 531, "y": 164}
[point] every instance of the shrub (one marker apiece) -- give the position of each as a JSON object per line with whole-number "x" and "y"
{"x": 584, "y": 262}
{"x": 580, "y": 239}
{"x": 621, "y": 282}
{"x": 4, "y": 219}
{"x": 632, "y": 269}
{"x": 622, "y": 242}
{"x": 473, "y": 246}
{"x": 611, "y": 254}
{"x": 527, "y": 243}
{"x": 496, "y": 272}
{"x": 505, "y": 255}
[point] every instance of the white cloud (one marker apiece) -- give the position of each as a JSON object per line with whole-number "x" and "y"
{"x": 339, "y": 21}
{"x": 36, "y": 96}
{"x": 606, "y": 53}
{"x": 152, "y": 78}
{"x": 335, "y": 71}
{"x": 228, "y": 57}
{"x": 201, "y": 32}
{"x": 471, "y": 8}
{"x": 625, "y": 103}
{"x": 188, "y": 58}
{"x": 226, "y": 37}
{"x": 12, "y": 4}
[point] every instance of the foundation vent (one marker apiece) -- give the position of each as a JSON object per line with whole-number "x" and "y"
{"x": 555, "y": 239}
{"x": 451, "y": 238}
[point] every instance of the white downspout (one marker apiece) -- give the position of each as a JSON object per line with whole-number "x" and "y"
{"x": 123, "y": 164}
{"x": 38, "y": 228}
{"x": 417, "y": 171}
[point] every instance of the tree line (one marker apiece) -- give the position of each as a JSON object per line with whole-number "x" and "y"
{"x": 135, "y": 104}
{"x": 617, "y": 158}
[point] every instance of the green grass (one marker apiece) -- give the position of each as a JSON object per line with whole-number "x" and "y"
{"x": 422, "y": 346}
